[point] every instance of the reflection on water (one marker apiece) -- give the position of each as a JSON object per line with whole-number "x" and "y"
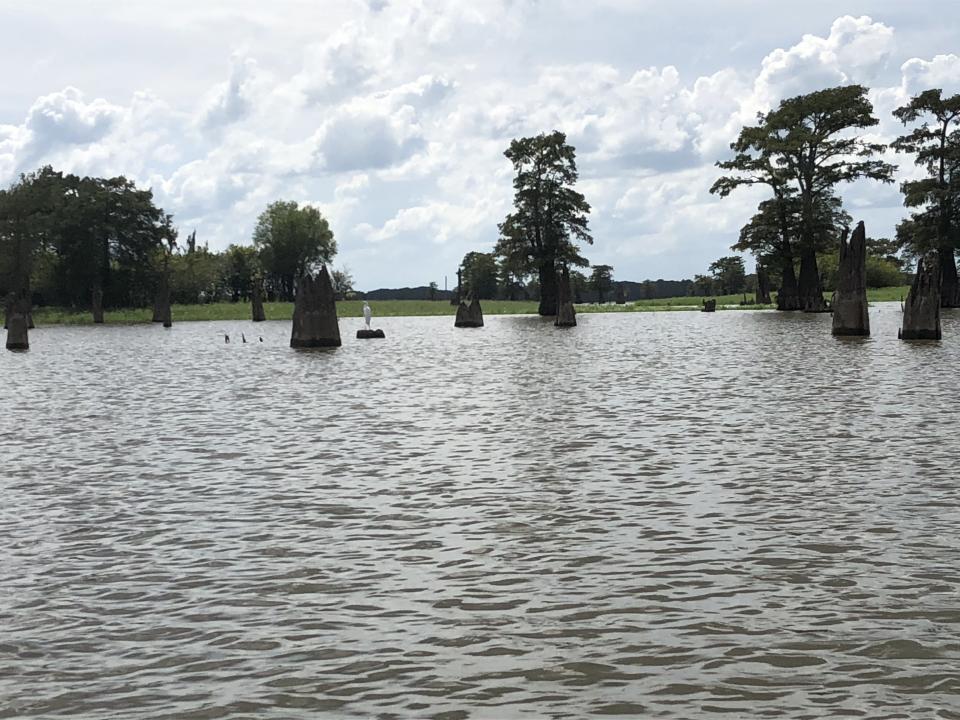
{"x": 669, "y": 515}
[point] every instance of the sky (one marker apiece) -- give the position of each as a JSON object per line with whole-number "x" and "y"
{"x": 392, "y": 116}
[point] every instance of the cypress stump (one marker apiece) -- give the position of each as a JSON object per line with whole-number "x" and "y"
{"x": 18, "y": 323}
{"x": 921, "y": 311}
{"x": 709, "y": 306}
{"x": 315, "y": 313}
{"x": 850, "y": 316}
{"x": 566, "y": 315}
{"x": 469, "y": 316}
{"x": 256, "y": 303}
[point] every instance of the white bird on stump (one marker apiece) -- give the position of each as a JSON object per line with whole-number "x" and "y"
{"x": 367, "y": 314}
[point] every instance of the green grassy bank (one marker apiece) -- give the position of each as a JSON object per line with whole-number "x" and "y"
{"x": 396, "y": 308}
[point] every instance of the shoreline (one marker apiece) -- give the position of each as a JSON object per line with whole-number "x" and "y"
{"x": 240, "y": 311}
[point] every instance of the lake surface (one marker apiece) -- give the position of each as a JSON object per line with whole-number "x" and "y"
{"x": 669, "y": 515}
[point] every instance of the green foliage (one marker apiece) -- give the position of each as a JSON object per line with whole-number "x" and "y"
{"x": 81, "y": 234}
{"x": 549, "y": 219}
{"x": 729, "y": 274}
{"x": 480, "y": 275}
{"x": 802, "y": 150}
{"x": 292, "y": 241}
{"x": 342, "y": 282}
{"x": 241, "y": 269}
{"x": 601, "y": 281}
{"x": 936, "y": 146}
{"x": 198, "y": 277}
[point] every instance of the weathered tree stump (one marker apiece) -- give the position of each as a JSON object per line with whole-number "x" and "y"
{"x": 709, "y": 306}
{"x": 850, "y": 315}
{"x": 315, "y": 313}
{"x": 256, "y": 303}
{"x": 97, "y": 305}
{"x": 763, "y": 286}
{"x": 469, "y": 316}
{"x": 476, "y": 313}
{"x": 370, "y": 334}
{"x": 17, "y": 322}
{"x": 921, "y": 311}
{"x": 566, "y": 315}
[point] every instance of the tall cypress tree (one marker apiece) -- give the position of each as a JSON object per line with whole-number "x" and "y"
{"x": 549, "y": 217}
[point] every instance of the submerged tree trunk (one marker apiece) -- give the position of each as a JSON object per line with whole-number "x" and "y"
{"x": 788, "y": 296}
{"x": 810, "y": 288}
{"x": 949, "y": 285}
{"x": 548, "y": 289}
{"x": 315, "y": 313}
{"x": 566, "y": 315}
{"x": 256, "y": 303}
{"x": 762, "y": 296}
{"x": 850, "y": 316}
{"x": 921, "y": 311}
{"x": 96, "y": 305}
{"x": 17, "y": 308}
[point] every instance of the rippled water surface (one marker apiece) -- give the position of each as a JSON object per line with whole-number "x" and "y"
{"x": 670, "y": 515}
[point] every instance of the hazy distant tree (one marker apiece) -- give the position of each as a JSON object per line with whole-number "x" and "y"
{"x": 479, "y": 272}
{"x": 729, "y": 274}
{"x": 703, "y": 285}
{"x": 549, "y": 217}
{"x": 292, "y": 241}
{"x": 601, "y": 280}
{"x": 936, "y": 144}
{"x": 432, "y": 290}
{"x": 197, "y": 276}
{"x": 579, "y": 285}
{"x": 241, "y": 268}
{"x": 342, "y": 283}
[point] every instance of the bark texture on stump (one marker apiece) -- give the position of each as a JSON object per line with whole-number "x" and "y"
{"x": 709, "y": 306}
{"x": 811, "y": 289}
{"x": 548, "y": 289}
{"x": 921, "y": 311}
{"x": 370, "y": 334}
{"x": 256, "y": 303}
{"x": 469, "y": 316}
{"x": 566, "y": 315}
{"x": 17, "y": 309}
{"x": 621, "y": 298}
{"x": 476, "y": 313}
{"x": 96, "y": 305}
{"x": 850, "y": 316}
{"x": 315, "y": 313}
{"x": 788, "y": 296}
{"x": 763, "y": 286}
{"x": 949, "y": 283}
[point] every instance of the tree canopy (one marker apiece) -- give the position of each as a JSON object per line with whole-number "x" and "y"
{"x": 802, "y": 150}
{"x": 549, "y": 220}
{"x": 934, "y": 225}
{"x": 292, "y": 241}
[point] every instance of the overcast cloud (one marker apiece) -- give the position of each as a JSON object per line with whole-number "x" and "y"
{"x": 392, "y": 117}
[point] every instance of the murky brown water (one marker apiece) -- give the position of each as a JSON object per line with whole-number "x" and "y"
{"x": 672, "y": 515}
